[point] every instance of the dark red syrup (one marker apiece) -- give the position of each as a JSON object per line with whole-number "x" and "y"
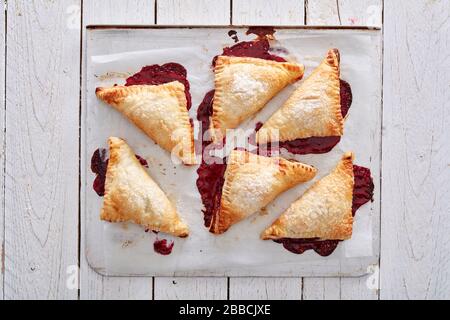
{"x": 99, "y": 166}
{"x": 160, "y": 74}
{"x": 163, "y": 247}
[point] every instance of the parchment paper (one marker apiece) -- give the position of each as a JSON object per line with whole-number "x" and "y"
{"x": 125, "y": 249}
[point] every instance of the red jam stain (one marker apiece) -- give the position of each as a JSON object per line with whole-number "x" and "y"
{"x": 261, "y": 32}
{"x": 210, "y": 183}
{"x": 253, "y": 49}
{"x": 163, "y": 247}
{"x": 99, "y": 166}
{"x": 160, "y": 74}
{"x": 363, "y": 188}
{"x": 362, "y": 193}
{"x": 204, "y": 113}
{"x": 319, "y": 145}
{"x": 346, "y": 97}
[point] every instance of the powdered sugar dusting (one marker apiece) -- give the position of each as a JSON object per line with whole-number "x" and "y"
{"x": 247, "y": 87}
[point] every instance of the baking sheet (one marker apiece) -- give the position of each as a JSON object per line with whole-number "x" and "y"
{"x": 125, "y": 249}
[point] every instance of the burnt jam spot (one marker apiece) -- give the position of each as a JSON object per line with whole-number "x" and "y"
{"x": 233, "y": 35}
{"x": 142, "y": 161}
{"x": 319, "y": 145}
{"x": 362, "y": 193}
{"x": 163, "y": 247}
{"x": 253, "y": 49}
{"x": 99, "y": 166}
{"x": 261, "y": 32}
{"x": 160, "y": 74}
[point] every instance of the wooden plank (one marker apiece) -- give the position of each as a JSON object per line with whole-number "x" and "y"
{"x": 265, "y": 288}
{"x": 415, "y": 240}
{"x": 256, "y": 12}
{"x": 191, "y": 288}
{"x": 344, "y": 12}
{"x": 321, "y": 288}
{"x": 41, "y": 205}
{"x": 193, "y": 12}
{"x": 252, "y": 12}
{"x": 332, "y": 12}
{"x": 2, "y": 141}
{"x": 131, "y": 12}
{"x": 93, "y": 285}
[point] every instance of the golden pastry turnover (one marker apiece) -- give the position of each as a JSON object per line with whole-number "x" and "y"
{"x": 323, "y": 215}
{"x": 245, "y": 185}
{"x": 160, "y": 111}
{"x": 132, "y": 195}
{"x": 244, "y": 85}
{"x": 316, "y": 110}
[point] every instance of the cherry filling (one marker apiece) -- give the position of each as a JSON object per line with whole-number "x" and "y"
{"x": 253, "y": 49}
{"x": 362, "y": 193}
{"x": 99, "y": 166}
{"x": 211, "y": 176}
{"x": 262, "y": 32}
{"x": 210, "y": 183}
{"x": 163, "y": 247}
{"x": 160, "y": 74}
{"x": 319, "y": 145}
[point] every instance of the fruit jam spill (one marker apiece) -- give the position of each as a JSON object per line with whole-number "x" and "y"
{"x": 163, "y": 247}
{"x": 99, "y": 166}
{"x": 160, "y": 74}
{"x": 362, "y": 193}
{"x": 211, "y": 176}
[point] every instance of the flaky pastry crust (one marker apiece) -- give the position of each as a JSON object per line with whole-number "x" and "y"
{"x": 243, "y": 86}
{"x": 313, "y": 110}
{"x": 132, "y": 195}
{"x": 252, "y": 182}
{"x": 323, "y": 212}
{"x": 158, "y": 110}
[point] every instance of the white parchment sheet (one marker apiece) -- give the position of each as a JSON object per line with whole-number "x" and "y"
{"x": 125, "y": 249}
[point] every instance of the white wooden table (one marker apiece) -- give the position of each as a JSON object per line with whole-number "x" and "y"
{"x": 40, "y": 223}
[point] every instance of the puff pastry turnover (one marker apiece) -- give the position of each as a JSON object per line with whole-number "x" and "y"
{"x": 244, "y": 85}
{"x": 252, "y": 182}
{"x": 313, "y": 110}
{"x": 324, "y": 212}
{"x": 132, "y": 195}
{"x": 158, "y": 110}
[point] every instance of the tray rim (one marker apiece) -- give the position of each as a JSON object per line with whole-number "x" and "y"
{"x": 363, "y": 269}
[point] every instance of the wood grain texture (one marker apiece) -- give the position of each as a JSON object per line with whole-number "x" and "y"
{"x": 2, "y": 140}
{"x": 93, "y": 285}
{"x": 415, "y": 260}
{"x": 131, "y": 12}
{"x": 344, "y": 12}
{"x": 193, "y": 12}
{"x": 190, "y": 288}
{"x": 257, "y": 12}
{"x": 265, "y": 288}
{"x": 41, "y": 205}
